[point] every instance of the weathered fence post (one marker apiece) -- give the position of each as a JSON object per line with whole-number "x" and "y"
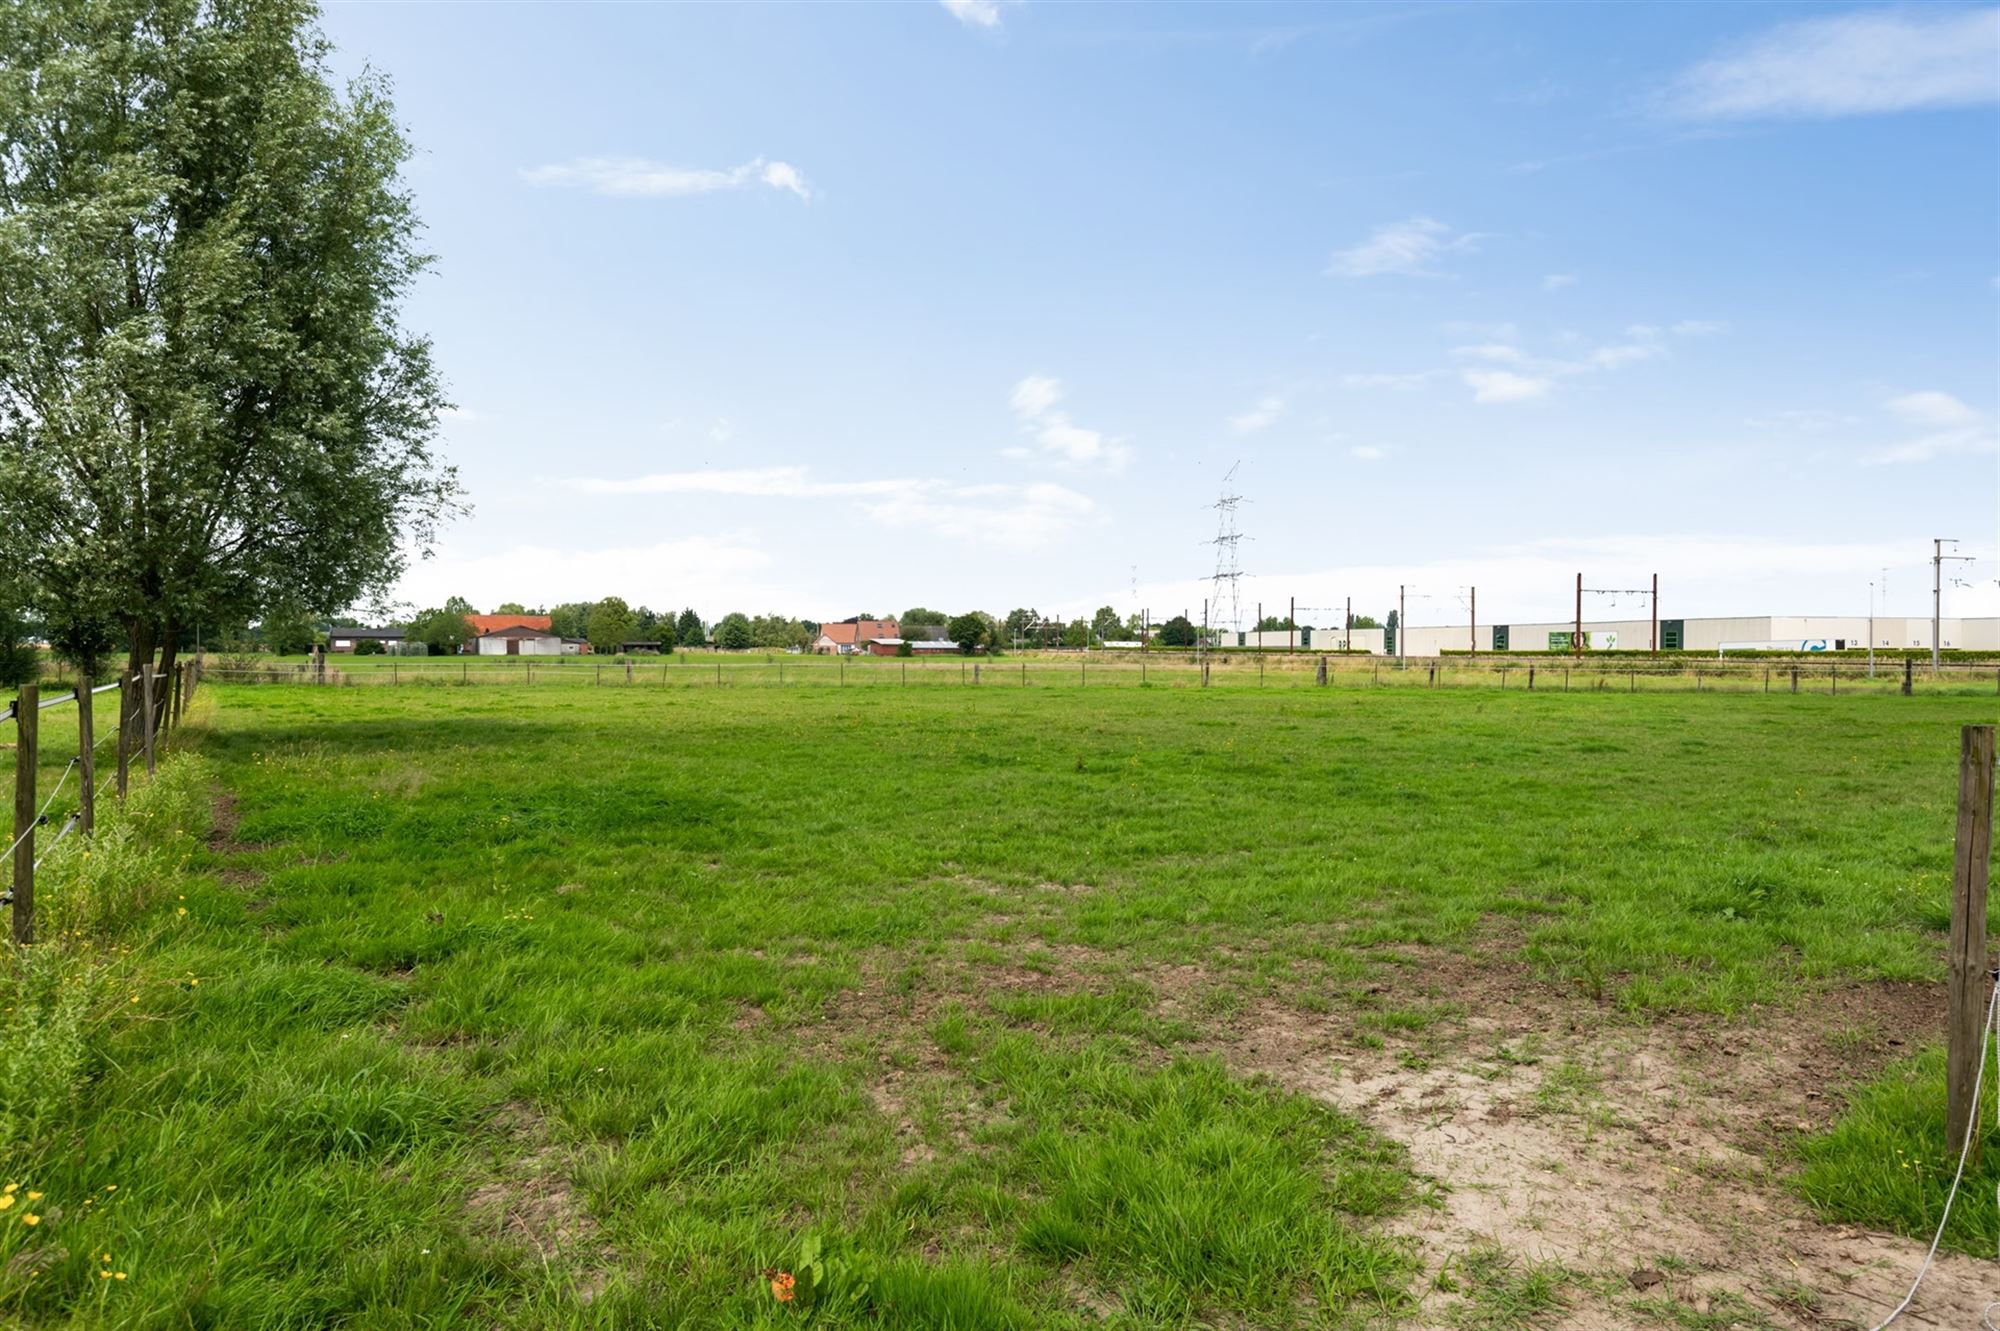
{"x": 1321, "y": 680}
{"x": 1909, "y": 675}
{"x": 1531, "y": 679}
{"x": 1965, "y": 1019}
{"x": 27, "y": 734}
{"x": 975, "y": 672}
{"x": 86, "y": 755}
{"x": 628, "y": 672}
{"x": 146, "y": 713}
{"x": 319, "y": 665}
{"x": 1795, "y": 679}
{"x": 124, "y": 732}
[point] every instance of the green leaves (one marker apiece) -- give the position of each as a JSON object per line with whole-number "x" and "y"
{"x": 208, "y": 407}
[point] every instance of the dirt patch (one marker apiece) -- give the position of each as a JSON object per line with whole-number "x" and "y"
{"x": 1632, "y": 1158}
{"x": 224, "y": 819}
{"x": 1635, "y": 1164}
{"x": 533, "y": 1203}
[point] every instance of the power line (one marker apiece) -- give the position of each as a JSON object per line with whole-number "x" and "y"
{"x": 1228, "y": 573}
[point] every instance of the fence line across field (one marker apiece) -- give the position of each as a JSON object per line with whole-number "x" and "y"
{"x": 1086, "y": 670}
{"x": 151, "y": 706}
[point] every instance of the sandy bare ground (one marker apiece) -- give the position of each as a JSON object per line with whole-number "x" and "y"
{"x": 1633, "y": 1157}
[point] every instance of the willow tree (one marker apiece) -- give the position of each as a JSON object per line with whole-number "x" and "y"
{"x": 208, "y": 406}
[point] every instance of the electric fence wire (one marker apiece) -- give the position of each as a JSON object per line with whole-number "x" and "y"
{"x": 1964, "y": 1151}
{"x": 29, "y": 830}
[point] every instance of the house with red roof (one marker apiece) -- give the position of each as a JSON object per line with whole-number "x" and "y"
{"x": 850, "y": 637}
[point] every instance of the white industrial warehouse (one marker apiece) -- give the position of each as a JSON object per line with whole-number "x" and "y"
{"x": 1795, "y": 633}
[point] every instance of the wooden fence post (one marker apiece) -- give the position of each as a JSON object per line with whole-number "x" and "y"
{"x": 86, "y": 755}
{"x": 124, "y": 732}
{"x": 1322, "y": 671}
{"x": 1795, "y": 679}
{"x": 27, "y": 734}
{"x": 146, "y": 713}
{"x": 1909, "y": 675}
{"x": 1531, "y": 679}
{"x": 1965, "y": 1026}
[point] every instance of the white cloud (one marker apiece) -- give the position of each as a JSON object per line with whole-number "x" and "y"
{"x": 641, "y": 178}
{"x": 1411, "y": 248}
{"x": 720, "y": 572}
{"x": 1265, "y": 413}
{"x": 1949, "y": 428}
{"x": 1493, "y": 351}
{"x": 1700, "y": 327}
{"x": 1557, "y": 281}
{"x": 1504, "y": 385}
{"x": 1611, "y": 358}
{"x": 1807, "y": 420}
{"x": 974, "y": 13}
{"x": 1367, "y": 453}
{"x": 1021, "y": 515}
{"x": 762, "y": 482}
{"x": 1399, "y": 382}
{"x": 1035, "y": 395}
{"x": 1035, "y": 401}
{"x": 1850, "y": 64}
{"x": 1938, "y": 410}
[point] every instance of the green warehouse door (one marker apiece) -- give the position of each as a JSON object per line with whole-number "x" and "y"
{"x": 1499, "y": 637}
{"x": 1672, "y": 634}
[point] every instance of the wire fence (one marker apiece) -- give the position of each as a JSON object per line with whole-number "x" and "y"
{"x": 148, "y": 710}
{"x": 1151, "y": 670}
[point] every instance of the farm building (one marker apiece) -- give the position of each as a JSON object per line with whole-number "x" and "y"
{"x": 521, "y": 640}
{"x": 1305, "y": 638}
{"x": 917, "y": 646}
{"x": 851, "y": 637}
{"x": 347, "y": 639}
{"x": 1721, "y": 635}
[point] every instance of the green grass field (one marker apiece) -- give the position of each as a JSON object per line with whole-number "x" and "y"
{"x": 550, "y": 1008}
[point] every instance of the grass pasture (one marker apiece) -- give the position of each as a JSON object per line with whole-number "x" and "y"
{"x": 967, "y": 1007}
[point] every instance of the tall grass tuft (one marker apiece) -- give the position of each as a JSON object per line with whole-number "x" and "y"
{"x": 61, "y": 993}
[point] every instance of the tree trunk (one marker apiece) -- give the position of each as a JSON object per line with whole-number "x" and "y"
{"x": 142, "y": 636}
{"x": 170, "y": 645}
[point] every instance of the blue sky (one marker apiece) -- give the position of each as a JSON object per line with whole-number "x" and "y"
{"x": 829, "y": 308}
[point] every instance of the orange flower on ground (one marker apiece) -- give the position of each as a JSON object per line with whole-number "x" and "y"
{"x": 781, "y": 1285}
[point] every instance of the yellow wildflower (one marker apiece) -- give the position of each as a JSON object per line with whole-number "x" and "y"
{"x": 31, "y": 1219}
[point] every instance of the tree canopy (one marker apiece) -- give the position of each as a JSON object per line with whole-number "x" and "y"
{"x": 1176, "y": 632}
{"x": 443, "y": 630}
{"x": 969, "y": 631}
{"x": 610, "y": 624}
{"x": 733, "y": 632}
{"x": 208, "y": 406}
